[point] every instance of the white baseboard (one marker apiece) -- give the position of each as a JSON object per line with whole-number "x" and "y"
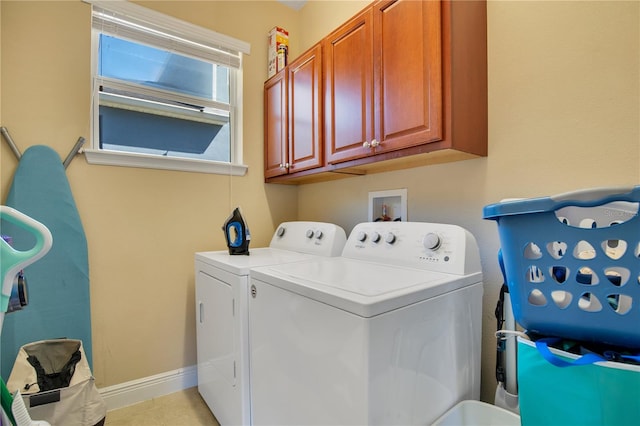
{"x": 146, "y": 388}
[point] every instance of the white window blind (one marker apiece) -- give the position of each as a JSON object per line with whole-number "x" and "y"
{"x": 137, "y": 23}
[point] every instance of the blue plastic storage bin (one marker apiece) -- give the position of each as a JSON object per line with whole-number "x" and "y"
{"x": 572, "y": 263}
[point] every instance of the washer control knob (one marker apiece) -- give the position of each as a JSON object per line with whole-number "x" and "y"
{"x": 280, "y": 231}
{"x": 309, "y": 233}
{"x": 361, "y": 236}
{"x": 319, "y": 235}
{"x": 375, "y": 237}
{"x": 431, "y": 241}
{"x": 390, "y": 238}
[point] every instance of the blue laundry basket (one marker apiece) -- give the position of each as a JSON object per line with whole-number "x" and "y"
{"x": 572, "y": 263}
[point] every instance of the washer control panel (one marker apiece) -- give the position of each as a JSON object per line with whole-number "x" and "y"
{"x": 320, "y": 238}
{"x": 432, "y": 246}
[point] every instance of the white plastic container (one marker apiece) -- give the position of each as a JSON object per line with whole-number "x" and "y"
{"x": 477, "y": 413}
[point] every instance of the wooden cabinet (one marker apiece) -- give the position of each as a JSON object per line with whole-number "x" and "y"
{"x": 305, "y": 111}
{"x": 383, "y": 80}
{"x": 293, "y": 116}
{"x": 405, "y": 85}
{"x": 275, "y": 125}
{"x": 407, "y": 74}
{"x": 349, "y": 102}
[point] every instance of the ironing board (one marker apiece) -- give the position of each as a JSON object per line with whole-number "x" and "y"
{"x": 58, "y": 284}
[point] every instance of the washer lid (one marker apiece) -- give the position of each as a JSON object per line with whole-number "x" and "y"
{"x": 361, "y": 287}
{"x": 240, "y": 265}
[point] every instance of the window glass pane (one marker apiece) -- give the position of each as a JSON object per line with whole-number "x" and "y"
{"x": 222, "y": 84}
{"x": 139, "y": 131}
{"x": 138, "y": 63}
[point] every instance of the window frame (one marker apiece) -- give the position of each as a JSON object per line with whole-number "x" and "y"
{"x": 185, "y": 30}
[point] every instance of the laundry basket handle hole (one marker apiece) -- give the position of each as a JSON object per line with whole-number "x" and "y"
{"x": 602, "y": 216}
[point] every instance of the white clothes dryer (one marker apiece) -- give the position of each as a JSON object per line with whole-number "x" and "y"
{"x": 387, "y": 333}
{"x": 222, "y": 283}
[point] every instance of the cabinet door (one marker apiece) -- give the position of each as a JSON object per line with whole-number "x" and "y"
{"x": 305, "y": 111}
{"x": 275, "y": 126}
{"x": 348, "y": 58}
{"x": 408, "y": 73}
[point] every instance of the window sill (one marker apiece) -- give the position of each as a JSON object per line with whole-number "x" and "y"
{"x": 126, "y": 159}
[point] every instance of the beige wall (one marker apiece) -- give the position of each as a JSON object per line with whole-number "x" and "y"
{"x": 563, "y": 114}
{"x": 142, "y": 225}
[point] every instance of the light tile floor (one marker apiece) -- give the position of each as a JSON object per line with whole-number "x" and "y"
{"x": 185, "y": 408}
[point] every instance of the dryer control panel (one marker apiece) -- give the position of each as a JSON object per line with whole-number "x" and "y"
{"x": 319, "y": 238}
{"x": 431, "y": 246}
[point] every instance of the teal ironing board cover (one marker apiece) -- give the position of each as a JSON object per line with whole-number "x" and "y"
{"x": 58, "y": 284}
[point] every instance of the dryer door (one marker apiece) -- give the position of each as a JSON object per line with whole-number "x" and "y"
{"x": 216, "y": 345}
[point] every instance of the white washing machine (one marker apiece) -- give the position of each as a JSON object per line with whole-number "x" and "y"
{"x": 222, "y": 283}
{"x": 388, "y": 333}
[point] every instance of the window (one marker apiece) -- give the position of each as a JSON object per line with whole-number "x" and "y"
{"x": 166, "y": 94}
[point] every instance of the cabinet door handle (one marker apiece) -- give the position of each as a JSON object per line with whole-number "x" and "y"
{"x": 201, "y": 306}
{"x": 366, "y": 144}
{"x": 375, "y": 143}
{"x": 284, "y": 166}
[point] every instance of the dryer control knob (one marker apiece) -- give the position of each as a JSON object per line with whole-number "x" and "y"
{"x": 361, "y": 236}
{"x": 309, "y": 233}
{"x": 375, "y": 237}
{"x": 280, "y": 231}
{"x": 319, "y": 235}
{"x": 431, "y": 241}
{"x": 390, "y": 238}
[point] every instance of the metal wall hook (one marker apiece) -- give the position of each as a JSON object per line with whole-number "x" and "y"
{"x": 75, "y": 150}
{"x": 12, "y": 145}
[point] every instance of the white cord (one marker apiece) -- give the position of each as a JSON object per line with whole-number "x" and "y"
{"x": 505, "y": 334}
